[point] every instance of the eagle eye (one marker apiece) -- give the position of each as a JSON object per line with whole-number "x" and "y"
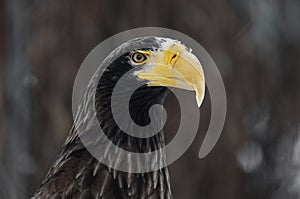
{"x": 139, "y": 57}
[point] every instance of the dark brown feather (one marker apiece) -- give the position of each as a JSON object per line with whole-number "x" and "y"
{"x": 77, "y": 174}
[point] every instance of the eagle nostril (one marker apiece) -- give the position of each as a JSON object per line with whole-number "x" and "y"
{"x": 174, "y": 57}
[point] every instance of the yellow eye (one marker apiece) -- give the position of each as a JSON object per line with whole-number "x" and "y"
{"x": 139, "y": 58}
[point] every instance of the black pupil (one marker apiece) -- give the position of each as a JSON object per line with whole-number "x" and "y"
{"x": 139, "y": 57}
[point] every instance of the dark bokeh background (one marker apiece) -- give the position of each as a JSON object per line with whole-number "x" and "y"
{"x": 255, "y": 43}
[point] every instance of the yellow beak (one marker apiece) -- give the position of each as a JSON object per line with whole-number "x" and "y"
{"x": 175, "y": 67}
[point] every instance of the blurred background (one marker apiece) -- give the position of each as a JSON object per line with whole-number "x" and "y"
{"x": 255, "y": 43}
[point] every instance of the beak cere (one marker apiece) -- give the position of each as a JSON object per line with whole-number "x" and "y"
{"x": 175, "y": 67}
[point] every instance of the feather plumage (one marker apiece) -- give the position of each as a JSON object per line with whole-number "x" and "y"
{"x": 77, "y": 174}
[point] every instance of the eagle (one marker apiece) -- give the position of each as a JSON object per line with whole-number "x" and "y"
{"x": 158, "y": 64}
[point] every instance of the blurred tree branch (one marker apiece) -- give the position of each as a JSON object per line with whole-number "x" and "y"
{"x": 17, "y": 90}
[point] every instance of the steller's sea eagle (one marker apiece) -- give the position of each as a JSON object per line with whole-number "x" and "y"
{"x": 160, "y": 63}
